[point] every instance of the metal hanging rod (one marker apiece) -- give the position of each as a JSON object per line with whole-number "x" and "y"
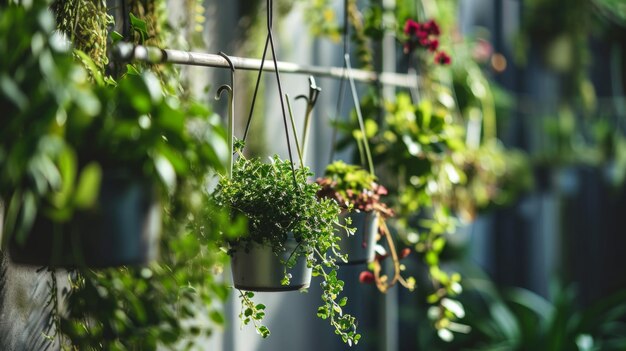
{"x": 129, "y": 52}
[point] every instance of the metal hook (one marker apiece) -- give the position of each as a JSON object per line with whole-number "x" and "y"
{"x": 231, "y": 110}
{"x": 314, "y": 92}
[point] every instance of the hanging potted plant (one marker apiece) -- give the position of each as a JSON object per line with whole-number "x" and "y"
{"x": 288, "y": 228}
{"x": 358, "y": 194}
{"x": 34, "y": 161}
{"x": 286, "y": 224}
{"x": 82, "y": 184}
{"x": 99, "y": 205}
{"x": 291, "y": 235}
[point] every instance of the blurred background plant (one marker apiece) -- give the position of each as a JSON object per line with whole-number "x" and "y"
{"x": 115, "y": 120}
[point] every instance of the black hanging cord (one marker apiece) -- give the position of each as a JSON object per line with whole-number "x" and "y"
{"x": 346, "y": 29}
{"x": 342, "y": 81}
{"x": 270, "y": 41}
{"x": 125, "y": 20}
{"x": 367, "y": 160}
{"x": 256, "y": 89}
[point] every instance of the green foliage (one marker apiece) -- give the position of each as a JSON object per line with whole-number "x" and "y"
{"x": 276, "y": 202}
{"x": 494, "y": 176}
{"x": 175, "y": 144}
{"x": 614, "y": 9}
{"x": 167, "y": 304}
{"x": 324, "y": 22}
{"x": 251, "y": 312}
{"x": 268, "y": 195}
{"x": 59, "y": 133}
{"x": 352, "y": 187}
{"x": 85, "y": 23}
{"x": 41, "y": 88}
{"x": 412, "y": 145}
{"x": 518, "y": 319}
{"x": 349, "y": 177}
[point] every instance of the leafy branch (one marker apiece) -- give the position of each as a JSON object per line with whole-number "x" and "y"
{"x": 251, "y": 312}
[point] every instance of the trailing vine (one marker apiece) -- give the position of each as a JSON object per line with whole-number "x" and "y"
{"x": 85, "y": 23}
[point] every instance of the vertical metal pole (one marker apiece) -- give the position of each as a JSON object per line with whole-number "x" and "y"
{"x": 389, "y": 62}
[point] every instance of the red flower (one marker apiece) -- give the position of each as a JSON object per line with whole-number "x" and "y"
{"x": 442, "y": 58}
{"x": 433, "y": 45}
{"x": 421, "y": 34}
{"x": 411, "y": 27}
{"x": 366, "y": 277}
{"x": 431, "y": 27}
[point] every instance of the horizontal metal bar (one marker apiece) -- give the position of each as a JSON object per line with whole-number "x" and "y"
{"x": 129, "y": 52}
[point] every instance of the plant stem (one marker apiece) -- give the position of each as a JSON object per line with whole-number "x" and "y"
{"x": 489, "y": 113}
{"x": 359, "y": 115}
{"x": 295, "y": 132}
{"x": 384, "y": 286}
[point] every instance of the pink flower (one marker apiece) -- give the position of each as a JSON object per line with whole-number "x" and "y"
{"x": 442, "y": 58}
{"x": 482, "y": 50}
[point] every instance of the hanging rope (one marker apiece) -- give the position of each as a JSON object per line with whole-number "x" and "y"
{"x": 269, "y": 42}
{"x": 355, "y": 99}
{"x": 342, "y": 81}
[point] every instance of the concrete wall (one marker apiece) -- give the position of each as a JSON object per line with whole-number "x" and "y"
{"x": 24, "y": 314}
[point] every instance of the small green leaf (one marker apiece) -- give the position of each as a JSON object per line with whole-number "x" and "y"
{"x": 264, "y": 331}
{"x": 88, "y": 187}
{"x": 166, "y": 172}
{"x": 439, "y": 244}
{"x": 130, "y": 69}
{"x": 217, "y": 317}
{"x": 13, "y": 93}
{"x": 116, "y": 37}
{"x": 139, "y": 25}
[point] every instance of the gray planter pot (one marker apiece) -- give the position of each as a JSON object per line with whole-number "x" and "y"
{"x": 260, "y": 269}
{"x": 123, "y": 229}
{"x": 360, "y": 246}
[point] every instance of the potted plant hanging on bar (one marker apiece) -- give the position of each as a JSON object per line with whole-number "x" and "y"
{"x": 84, "y": 194}
{"x": 291, "y": 237}
{"x": 289, "y": 230}
{"x": 358, "y": 194}
{"x": 83, "y": 164}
